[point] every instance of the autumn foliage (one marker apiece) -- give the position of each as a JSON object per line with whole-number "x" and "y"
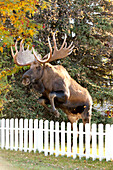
{"x": 16, "y": 22}
{"x": 16, "y": 19}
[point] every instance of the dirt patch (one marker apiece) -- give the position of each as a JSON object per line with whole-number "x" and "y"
{"x": 4, "y": 165}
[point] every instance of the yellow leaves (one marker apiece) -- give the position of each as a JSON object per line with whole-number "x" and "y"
{"x": 69, "y": 31}
{"x": 3, "y": 73}
{"x": 45, "y": 5}
{"x": 4, "y": 19}
{"x": 4, "y": 89}
{"x": 1, "y": 104}
{"x": 15, "y": 11}
{"x": 82, "y": 12}
{"x": 12, "y": 18}
{"x": 71, "y": 26}
{"x": 1, "y": 49}
{"x": 2, "y": 27}
{"x": 31, "y": 32}
{"x": 103, "y": 8}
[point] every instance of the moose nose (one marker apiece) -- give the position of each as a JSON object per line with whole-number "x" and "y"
{"x": 25, "y": 80}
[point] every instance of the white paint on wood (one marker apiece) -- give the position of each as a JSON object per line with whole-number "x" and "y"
{"x": 16, "y": 134}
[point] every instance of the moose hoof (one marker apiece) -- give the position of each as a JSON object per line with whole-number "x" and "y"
{"x": 57, "y": 114}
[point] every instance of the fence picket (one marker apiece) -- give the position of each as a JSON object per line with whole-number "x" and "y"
{"x": 63, "y": 138}
{"x": 30, "y": 135}
{"x": 11, "y": 134}
{"x": 80, "y": 140}
{"x": 74, "y": 140}
{"x": 40, "y": 136}
{"x": 108, "y": 142}
{"x": 36, "y": 135}
{"x": 68, "y": 139}
{"x": 57, "y": 138}
{"x": 25, "y": 134}
{"x": 7, "y": 134}
{"x": 3, "y": 133}
{"x": 87, "y": 140}
{"x": 111, "y": 142}
{"x": 21, "y": 135}
{"x": 51, "y": 138}
{"x": 16, "y": 134}
{"x": 94, "y": 142}
{"x": 46, "y": 138}
{"x": 100, "y": 142}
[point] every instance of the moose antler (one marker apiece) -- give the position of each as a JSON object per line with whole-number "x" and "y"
{"x": 64, "y": 51}
{"x": 23, "y": 57}
{"x": 46, "y": 58}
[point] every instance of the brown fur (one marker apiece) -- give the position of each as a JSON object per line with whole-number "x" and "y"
{"x": 56, "y": 78}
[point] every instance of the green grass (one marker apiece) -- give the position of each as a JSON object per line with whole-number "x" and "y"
{"x": 38, "y": 161}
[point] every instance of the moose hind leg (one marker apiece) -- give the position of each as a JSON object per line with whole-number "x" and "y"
{"x": 60, "y": 96}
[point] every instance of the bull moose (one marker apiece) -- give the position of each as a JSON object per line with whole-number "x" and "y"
{"x": 54, "y": 82}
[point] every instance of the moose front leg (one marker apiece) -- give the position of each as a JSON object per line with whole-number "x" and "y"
{"x": 61, "y": 98}
{"x": 44, "y": 101}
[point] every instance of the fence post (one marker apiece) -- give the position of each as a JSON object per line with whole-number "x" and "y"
{"x": 16, "y": 134}
{"x": 3, "y": 133}
{"x": 46, "y": 137}
{"x": 25, "y": 134}
{"x": 74, "y": 140}
{"x": 36, "y": 135}
{"x": 51, "y": 138}
{"x": 40, "y": 136}
{"x": 21, "y": 135}
{"x": 63, "y": 138}
{"x": 57, "y": 138}
{"x": 7, "y": 133}
{"x": 111, "y": 142}
{"x": 11, "y": 134}
{"x": 68, "y": 139}
{"x": 87, "y": 140}
{"x": 108, "y": 142}
{"x": 100, "y": 142}
{"x": 94, "y": 142}
{"x": 80, "y": 140}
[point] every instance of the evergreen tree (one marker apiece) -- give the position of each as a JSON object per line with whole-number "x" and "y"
{"x": 88, "y": 23}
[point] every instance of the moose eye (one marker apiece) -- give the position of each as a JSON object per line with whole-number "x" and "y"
{"x": 38, "y": 68}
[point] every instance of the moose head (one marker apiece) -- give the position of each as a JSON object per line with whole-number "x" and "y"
{"x": 54, "y": 82}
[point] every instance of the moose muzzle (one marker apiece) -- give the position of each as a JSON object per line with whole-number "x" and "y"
{"x": 25, "y": 81}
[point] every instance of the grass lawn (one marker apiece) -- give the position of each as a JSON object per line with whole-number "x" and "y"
{"x": 22, "y": 160}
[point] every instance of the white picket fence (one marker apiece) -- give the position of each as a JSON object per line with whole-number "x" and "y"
{"x": 58, "y": 139}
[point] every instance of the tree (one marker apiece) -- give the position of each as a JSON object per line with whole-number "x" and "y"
{"x": 90, "y": 25}
{"x": 16, "y": 22}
